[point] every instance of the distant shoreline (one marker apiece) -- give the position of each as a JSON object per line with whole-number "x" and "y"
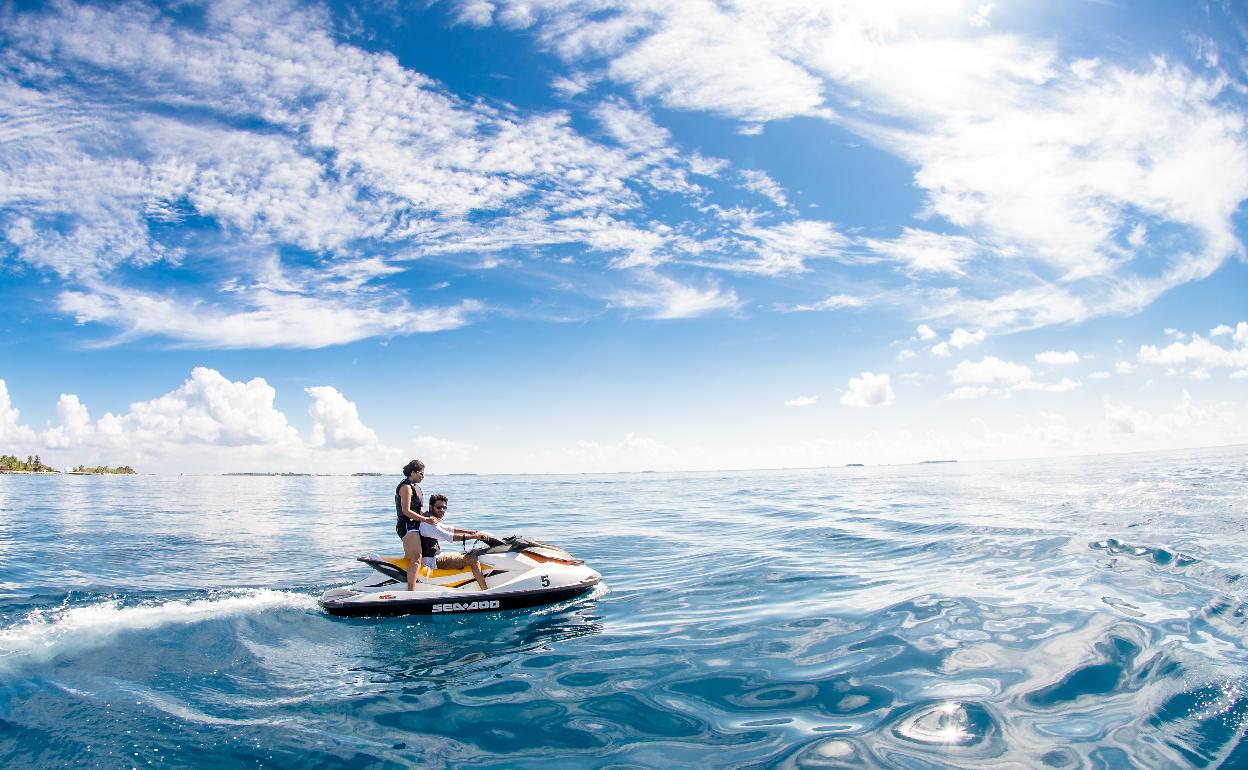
{"x": 967, "y": 464}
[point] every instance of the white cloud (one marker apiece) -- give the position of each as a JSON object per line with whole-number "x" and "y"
{"x": 697, "y": 57}
{"x": 264, "y": 318}
{"x": 961, "y": 338}
{"x": 1200, "y": 351}
{"x": 869, "y": 390}
{"x": 442, "y": 450}
{"x": 669, "y": 299}
{"x": 209, "y": 424}
{"x": 336, "y": 421}
{"x": 993, "y": 376}
{"x": 1187, "y": 424}
{"x": 1060, "y": 167}
{"x": 785, "y": 248}
{"x": 759, "y": 182}
{"x": 1065, "y": 385}
{"x": 801, "y": 401}
{"x": 358, "y": 149}
{"x": 1220, "y": 330}
{"x": 925, "y": 332}
{"x": 980, "y": 17}
{"x": 475, "y": 13}
{"x": 832, "y": 302}
{"x": 1124, "y": 367}
{"x": 209, "y": 409}
{"x": 1063, "y": 173}
{"x": 988, "y": 371}
{"x": 570, "y": 86}
{"x": 940, "y": 349}
{"x": 905, "y": 355}
{"x": 1027, "y": 308}
{"x": 635, "y": 130}
{"x": 704, "y": 166}
{"x": 922, "y": 251}
{"x": 1057, "y": 358}
{"x": 1084, "y": 69}
{"x": 12, "y": 432}
{"x": 968, "y": 392}
{"x": 75, "y": 428}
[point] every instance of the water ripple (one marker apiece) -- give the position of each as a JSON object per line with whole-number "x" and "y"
{"x": 1084, "y": 613}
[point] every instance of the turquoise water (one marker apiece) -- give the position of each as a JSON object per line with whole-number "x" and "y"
{"x": 1080, "y": 613}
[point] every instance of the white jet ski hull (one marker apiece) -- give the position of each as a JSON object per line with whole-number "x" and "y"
{"x": 517, "y": 577}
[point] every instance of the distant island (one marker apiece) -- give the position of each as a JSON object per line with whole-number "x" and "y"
{"x": 32, "y": 464}
{"x": 369, "y": 473}
{"x": 853, "y": 465}
{"x": 253, "y": 473}
{"x": 97, "y": 470}
{"x": 934, "y": 462}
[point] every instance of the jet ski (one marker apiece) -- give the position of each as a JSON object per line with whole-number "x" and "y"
{"x": 519, "y": 572}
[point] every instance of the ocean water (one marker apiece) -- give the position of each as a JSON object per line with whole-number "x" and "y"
{"x": 1074, "y": 613}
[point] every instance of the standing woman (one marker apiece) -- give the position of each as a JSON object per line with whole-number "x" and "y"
{"x": 408, "y": 500}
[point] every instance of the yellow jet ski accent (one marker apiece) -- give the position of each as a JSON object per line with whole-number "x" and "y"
{"x": 402, "y": 561}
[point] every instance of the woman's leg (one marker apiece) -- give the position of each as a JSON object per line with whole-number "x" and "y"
{"x": 411, "y": 549}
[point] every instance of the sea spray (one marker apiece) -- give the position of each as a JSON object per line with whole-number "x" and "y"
{"x": 45, "y": 634}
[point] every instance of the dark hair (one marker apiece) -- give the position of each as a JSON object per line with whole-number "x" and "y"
{"x": 414, "y": 465}
{"x": 435, "y": 499}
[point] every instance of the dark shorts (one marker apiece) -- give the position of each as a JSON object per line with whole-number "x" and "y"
{"x": 405, "y": 525}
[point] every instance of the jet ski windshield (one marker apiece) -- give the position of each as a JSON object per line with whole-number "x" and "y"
{"x": 534, "y": 548}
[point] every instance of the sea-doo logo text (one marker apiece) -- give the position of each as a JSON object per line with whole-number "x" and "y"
{"x": 466, "y": 607}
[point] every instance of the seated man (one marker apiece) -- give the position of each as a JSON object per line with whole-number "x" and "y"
{"x": 431, "y": 533}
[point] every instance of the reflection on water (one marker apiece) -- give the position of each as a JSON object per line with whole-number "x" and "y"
{"x": 1070, "y": 614}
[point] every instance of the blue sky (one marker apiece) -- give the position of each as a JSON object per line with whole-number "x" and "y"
{"x": 541, "y": 236}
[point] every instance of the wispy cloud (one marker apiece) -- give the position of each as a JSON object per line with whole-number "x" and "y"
{"x": 1058, "y": 193}
{"x": 667, "y": 298}
{"x": 282, "y": 136}
{"x": 831, "y": 302}
{"x": 266, "y": 318}
{"x": 1070, "y": 187}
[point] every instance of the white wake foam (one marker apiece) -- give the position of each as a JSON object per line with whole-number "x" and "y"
{"x": 47, "y": 634}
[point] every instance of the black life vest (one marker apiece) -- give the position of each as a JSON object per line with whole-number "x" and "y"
{"x": 429, "y": 546}
{"x": 418, "y": 499}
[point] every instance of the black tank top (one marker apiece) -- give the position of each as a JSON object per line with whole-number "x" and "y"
{"x": 418, "y": 499}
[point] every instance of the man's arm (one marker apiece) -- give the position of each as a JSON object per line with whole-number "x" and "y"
{"x": 437, "y": 530}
